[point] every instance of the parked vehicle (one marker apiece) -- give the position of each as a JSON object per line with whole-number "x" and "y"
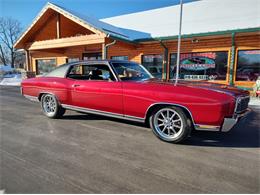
{"x": 248, "y": 73}
{"x": 126, "y": 90}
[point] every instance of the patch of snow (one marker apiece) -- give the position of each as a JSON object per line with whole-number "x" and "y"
{"x": 6, "y": 68}
{"x": 198, "y": 17}
{"x": 100, "y": 25}
{"x": 9, "y": 75}
{"x": 254, "y": 101}
{"x": 13, "y": 81}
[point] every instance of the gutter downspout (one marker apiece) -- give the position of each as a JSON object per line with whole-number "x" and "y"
{"x": 165, "y": 60}
{"x": 105, "y": 48}
{"x": 232, "y": 60}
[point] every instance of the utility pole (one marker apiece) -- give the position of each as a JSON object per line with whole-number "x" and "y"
{"x": 179, "y": 46}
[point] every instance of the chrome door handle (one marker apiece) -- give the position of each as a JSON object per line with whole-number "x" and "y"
{"x": 75, "y": 85}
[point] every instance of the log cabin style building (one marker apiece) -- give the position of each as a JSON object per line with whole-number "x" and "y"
{"x": 220, "y": 40}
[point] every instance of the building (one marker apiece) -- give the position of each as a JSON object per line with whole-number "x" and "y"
{"x": 220, "y": 42}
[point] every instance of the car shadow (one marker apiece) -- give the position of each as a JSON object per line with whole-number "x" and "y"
{"x": 245, "y": 134}
{"x": 84, "y": 116}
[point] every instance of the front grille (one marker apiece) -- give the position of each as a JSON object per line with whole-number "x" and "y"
{"x": 242, "y": 104}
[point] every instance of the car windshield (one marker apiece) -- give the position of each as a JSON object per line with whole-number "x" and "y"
{"x": 129, "y": 71}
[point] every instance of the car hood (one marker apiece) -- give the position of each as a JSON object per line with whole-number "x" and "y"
{"x": 221, "y": 88}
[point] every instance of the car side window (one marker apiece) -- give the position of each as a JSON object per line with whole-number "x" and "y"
{"x": 91, "y": 72}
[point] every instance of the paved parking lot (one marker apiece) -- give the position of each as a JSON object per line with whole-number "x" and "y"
{"x": 89, "y": 154}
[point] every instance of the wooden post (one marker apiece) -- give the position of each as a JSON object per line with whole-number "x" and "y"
{"x": 165, "y": 60}
{"x": 28, "y": 62}
{"x": 58, "y": 25}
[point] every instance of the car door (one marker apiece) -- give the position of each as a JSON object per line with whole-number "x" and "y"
{"x": 95, "y": 87}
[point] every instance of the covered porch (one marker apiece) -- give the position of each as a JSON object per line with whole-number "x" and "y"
{"x": 42, "y": 56}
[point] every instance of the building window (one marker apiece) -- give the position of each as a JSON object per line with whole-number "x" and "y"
{"x": 68, "y": 60}
{"x": 119, "y": 57}
{"x": 153, "y": 63}
{"x": 248, "y": 65}
{"x": 92, "y": 56}
{"x": 44, "y": 66}
{"x": 200, "y": 65}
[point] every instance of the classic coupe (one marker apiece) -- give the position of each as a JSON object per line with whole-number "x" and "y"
{"x": 126, "y": 90}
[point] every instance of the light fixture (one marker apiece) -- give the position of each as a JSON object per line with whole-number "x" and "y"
{"x": 194, "y": 40}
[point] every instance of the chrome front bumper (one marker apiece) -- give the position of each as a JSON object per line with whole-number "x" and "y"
{"x": 229, "y": 123}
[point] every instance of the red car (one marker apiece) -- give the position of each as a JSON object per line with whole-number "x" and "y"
{"x": 126, "y": 90}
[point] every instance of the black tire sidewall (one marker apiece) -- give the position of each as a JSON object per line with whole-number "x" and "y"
{"x": 186, "y": 126}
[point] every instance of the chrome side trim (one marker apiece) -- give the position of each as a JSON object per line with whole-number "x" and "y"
{"x": 173, "y": 104}
{"x": 206, "y": 127}
{"x": 32, "y": 98}
{"x": 103, "y": 113}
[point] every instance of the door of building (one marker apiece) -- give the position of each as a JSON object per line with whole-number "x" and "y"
{"x": 92, "y": 56}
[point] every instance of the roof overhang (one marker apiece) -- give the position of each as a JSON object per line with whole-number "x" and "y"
{"x": 217, "y": 33}
{"x": 66, "y": 42}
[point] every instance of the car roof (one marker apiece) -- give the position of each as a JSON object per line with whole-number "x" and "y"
{"x": 96, "y": 61}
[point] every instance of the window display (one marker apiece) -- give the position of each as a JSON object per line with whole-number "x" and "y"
{"x": 153, "y": 63}
{"x": 44, "y": 66}
{"x": 200, "y": 65}
{"x": 248, "y": 65}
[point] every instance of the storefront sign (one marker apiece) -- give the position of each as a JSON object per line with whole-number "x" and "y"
{"x": 197, "y": 63}
{"x": 196, "y": 77}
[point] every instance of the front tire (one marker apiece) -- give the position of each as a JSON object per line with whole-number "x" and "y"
{"x": 170, "y": 124}
{"x": 51, "y": 107}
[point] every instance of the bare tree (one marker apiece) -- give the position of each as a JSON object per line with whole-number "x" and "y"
{"x": 10, "y": 29}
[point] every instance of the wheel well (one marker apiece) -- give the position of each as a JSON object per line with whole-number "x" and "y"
{"x": 159, "y": 106}
{"x": 40, "y": 96}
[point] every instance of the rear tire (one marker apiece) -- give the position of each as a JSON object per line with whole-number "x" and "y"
{"x": 51, "y": 107}
{"x": 170, "y": 124}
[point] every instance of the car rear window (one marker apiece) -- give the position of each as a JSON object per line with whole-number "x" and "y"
{"x": 60, "y": 71}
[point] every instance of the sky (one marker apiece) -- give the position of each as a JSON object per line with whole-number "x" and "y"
{"x": 26, "y": 10}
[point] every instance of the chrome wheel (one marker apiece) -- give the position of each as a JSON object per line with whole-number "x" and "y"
{"x": 168, "y": 123}
{"x": 49, "y": 104}
{"x": 51, "y": 107}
